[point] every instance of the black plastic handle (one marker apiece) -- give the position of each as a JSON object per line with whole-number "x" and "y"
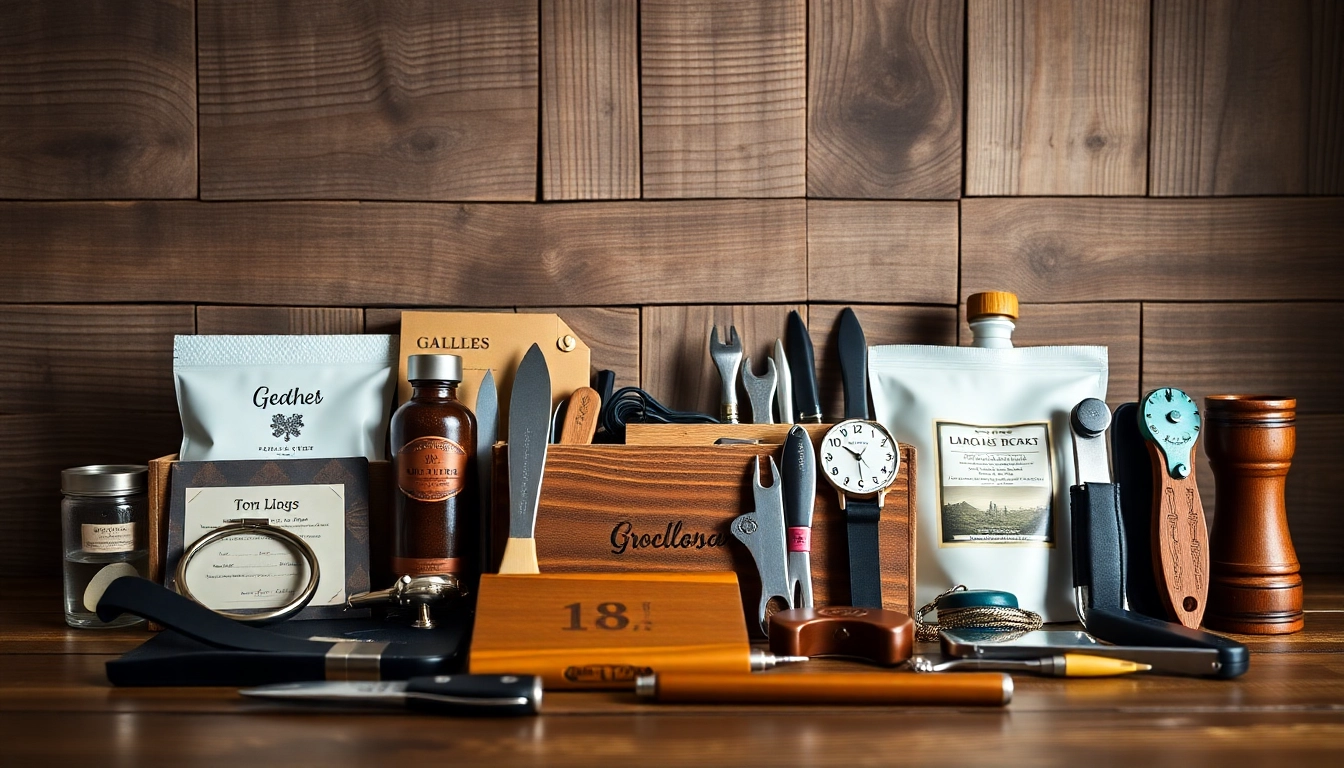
{"x": 803, "y": 366}
{"x": 1123, "y": 627}
{"x": 799, "y": 467}
{"x": 475, "y": 695}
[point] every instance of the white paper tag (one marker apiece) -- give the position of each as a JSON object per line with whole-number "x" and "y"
{"x": 258, "y": 571}
{"x": 107, "y": 538}
{"x": 995, "y": 483}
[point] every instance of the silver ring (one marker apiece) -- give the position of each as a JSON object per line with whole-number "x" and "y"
{"x": 260, "y": 526}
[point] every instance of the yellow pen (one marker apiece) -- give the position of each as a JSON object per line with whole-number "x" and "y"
{"x": 1061, "y": 665}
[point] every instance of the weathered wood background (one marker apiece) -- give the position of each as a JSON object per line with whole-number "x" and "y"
{"x": 1161, "y": 176}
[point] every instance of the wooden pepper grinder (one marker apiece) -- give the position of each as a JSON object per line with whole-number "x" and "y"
{"x": 1255, "y": 584}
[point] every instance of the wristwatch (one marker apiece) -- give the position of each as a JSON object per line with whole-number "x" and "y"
{"x": 860, "y": 458}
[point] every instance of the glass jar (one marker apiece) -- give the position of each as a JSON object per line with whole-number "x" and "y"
{"x": 104, "y": 525}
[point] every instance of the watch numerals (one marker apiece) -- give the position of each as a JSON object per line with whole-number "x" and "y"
{"x": 844, "y": 433}
{"x": 884, "y": 442}
{"x": 830, "y": 458}
{"x": 861, "y": 481}
{"x": 846, "y": 480}
{"x": 858, "y": 428}
{"x": 835, "y": 470}
{"x": 874, "y": 481}
{"x": 888, "y": 457}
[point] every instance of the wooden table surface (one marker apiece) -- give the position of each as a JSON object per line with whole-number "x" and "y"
{"x": 1287, "y": 710}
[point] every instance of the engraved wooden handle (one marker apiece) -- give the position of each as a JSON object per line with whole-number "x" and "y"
{"x": 581, "y": 417}
{"x": 1180, "y": 541}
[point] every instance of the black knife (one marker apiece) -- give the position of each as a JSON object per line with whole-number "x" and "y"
{"x": 798, "y": 467}
{"x": 459, "y": 695}
{"x": 803, "y": 366}
{"x": 854, "y": 365}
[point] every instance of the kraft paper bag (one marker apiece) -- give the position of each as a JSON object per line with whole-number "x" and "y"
{"x": 495, "y": 341}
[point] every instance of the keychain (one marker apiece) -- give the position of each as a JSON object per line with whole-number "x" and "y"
{"x": 962, "y": 608}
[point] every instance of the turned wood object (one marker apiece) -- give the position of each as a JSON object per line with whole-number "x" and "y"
{"x": 1256, "y": 584}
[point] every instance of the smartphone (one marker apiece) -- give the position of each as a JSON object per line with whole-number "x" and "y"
{"x": 992, "y": 644}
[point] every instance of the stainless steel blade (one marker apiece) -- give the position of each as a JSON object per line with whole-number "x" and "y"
{"x": 385, "y": 692}
{"x": 784, "y": 384}
{"x": 800, "y": 578}
{"x": 529, "y": 431}
{"x": 487, "y": 434}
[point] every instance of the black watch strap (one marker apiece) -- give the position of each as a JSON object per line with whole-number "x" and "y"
{"x": 865, "y": 566}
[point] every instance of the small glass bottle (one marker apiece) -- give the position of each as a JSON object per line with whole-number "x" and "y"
{"x": 104, "y": 525}
{"x": 433, "y": 444}
{"x": 992, "y": 316}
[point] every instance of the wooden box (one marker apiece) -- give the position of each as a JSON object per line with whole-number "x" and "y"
{"x": 611, "y": 508}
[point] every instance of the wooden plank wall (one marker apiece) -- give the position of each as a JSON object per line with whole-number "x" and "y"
{"x": 1161, "y": 176}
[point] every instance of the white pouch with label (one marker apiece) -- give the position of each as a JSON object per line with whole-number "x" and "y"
{"x": 991, "y": 430}
{"x": 284, "y": 397}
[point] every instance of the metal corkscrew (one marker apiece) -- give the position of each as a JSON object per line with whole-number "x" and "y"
{"x": 419, "y": 591}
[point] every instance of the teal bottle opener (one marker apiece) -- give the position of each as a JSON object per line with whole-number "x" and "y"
{"x": 1169, "y": 421}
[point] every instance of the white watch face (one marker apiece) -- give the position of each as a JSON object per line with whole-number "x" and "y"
{"x": 859, "y": 457}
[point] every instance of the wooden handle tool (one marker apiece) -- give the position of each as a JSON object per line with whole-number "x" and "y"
{"x": 990, "y": 689}
{"x": 581, "y": 412}
{"x": 1169, "y": 420}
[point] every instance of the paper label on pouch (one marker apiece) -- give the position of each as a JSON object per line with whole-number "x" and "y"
{"x": 101, "y": 538}
{"x": 256, "y": 570}
{"x": 995, "y": 483}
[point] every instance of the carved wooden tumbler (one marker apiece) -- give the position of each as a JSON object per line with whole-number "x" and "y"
{"x": 1255, "y": 584}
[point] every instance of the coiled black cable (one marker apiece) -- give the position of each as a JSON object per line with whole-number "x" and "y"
{"x": 632, "y": 405}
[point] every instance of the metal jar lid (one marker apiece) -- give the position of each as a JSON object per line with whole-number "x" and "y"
{"x": 434, "y": 368}
{"x": 104, "y": 480}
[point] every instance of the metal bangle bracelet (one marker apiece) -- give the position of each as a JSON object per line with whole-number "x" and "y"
{"x": 259, "y": 526}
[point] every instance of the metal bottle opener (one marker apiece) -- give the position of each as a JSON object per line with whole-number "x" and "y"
{"x": 762, "y": 533}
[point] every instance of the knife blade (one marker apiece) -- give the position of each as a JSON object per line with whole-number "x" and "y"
{"x": 854, "y": 365}
{"x": 461, "y": 695}
{"x": 800, "y": 493}
{"x": 529, "y": 432}
{"x": 784, "y": 384}
{"x": 487, "y": 433}
{"x": 803, "y": 366}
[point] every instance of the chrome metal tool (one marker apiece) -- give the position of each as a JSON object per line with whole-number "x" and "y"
{"x": 783, "y": 384}
{"x": 762, "y": 533}
{"x": 728, "y": 358}
{"x": 760, "y": 391}
{"x": 420, "y": 592}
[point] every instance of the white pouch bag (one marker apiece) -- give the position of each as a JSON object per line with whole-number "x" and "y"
{"x": 284, "y": 397}
{"x": 991, "y": 430}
